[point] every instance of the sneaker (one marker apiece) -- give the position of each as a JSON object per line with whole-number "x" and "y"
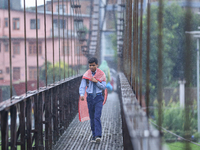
{"x": 98, "y": 139}
{"x": 93, "y": 140}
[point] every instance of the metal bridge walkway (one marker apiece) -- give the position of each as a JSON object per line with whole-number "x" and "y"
{"x": 78, "y": 134}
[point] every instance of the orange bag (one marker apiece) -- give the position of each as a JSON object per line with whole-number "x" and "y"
{"x": 83, "y": 108}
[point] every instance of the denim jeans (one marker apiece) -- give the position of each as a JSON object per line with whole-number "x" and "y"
{"x": 95, "y": 108}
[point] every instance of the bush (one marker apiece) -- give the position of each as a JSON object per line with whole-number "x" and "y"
{"x": 173, "y": 119}
{"x": 196, "y": 137}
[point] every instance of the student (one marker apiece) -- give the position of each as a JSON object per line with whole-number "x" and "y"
{"x": 104, "y": 67}
{"x": 97, "y": 83}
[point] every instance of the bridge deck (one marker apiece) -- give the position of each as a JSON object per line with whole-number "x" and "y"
{"x": 78, "y": 134}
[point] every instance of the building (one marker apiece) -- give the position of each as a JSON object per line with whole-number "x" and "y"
{"x": 14, "y": 4}
{"x": 62, "y": 23}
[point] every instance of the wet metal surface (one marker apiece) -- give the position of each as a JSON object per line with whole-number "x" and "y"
{"x": 78, "y": 134}
{"x": 44, "y": 115}
{"x": 138, "y": 134}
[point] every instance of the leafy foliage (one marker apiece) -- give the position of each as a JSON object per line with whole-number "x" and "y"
{"x": 173, "y": 46}
{"x": 58, "y": 72}
{"x": 174, "y": 119}
{"x": 114, "y": 43}
{"x": 181, "y": 146}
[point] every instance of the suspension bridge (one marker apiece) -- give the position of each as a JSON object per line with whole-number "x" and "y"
{"x": 45, "y": 49}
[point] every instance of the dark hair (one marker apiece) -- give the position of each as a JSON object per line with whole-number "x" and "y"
{"x": 92, "y": 60}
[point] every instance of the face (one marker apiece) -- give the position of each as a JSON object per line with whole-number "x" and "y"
{"x": 93, "y": 66}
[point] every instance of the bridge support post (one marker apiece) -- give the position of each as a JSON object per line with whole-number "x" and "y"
{"x": 182, "y": 93}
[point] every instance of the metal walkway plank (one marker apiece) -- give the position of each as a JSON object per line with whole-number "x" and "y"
{"x": 78, "y": 134}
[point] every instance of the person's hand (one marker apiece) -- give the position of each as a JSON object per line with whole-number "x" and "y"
{"x": 94, "y": 80}
{"x": 82, "y": 98}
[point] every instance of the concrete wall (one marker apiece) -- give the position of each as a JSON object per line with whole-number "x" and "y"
{"x": 173, "y": 94}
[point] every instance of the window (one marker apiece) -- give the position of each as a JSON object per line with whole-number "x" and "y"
{"x": 71, "y": 11}
{"x": 88, "y": 9}
{"x": 55, "y": 23}
{"x": 5, "y": 22}
{"x": 7, "y": 70}
{"x": 16, "y": 73}
{"x": 62, "y": 23}
{"x": 32, "y": 48}
{"x": 1, "y": 71}
{"x": 60, "y": 9}
{"x": 76, "y": 24}
{"x": 33, "y": 23}
{"x": 16, "y": 48}
{"x": 15, "y": 23}
{"x": 32, "y": 73}
{"x": 6, "y": 47}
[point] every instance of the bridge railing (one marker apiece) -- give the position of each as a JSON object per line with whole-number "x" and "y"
{"x": 138, "y": 134}
{"x": 37, "y": 120}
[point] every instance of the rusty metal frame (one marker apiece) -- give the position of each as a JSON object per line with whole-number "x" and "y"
{"x": 25, "y": 50}
{"x": 42, "y": 99}
{"x": 45, "y": 46}
{"x": 48, "y": 101}
{"x": 53, "y": 41}
{"x": 10, "y": 52}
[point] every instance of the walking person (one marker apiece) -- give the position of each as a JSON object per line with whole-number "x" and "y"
{"x": 97, "y": 83}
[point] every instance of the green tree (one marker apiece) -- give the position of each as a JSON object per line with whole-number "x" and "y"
{"x": 173, "y": 45}
{"x": 114, "y": 43}
{"x": 59, "y": 72}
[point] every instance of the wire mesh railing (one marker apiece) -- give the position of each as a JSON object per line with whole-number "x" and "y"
{"x": 156, "y": 55}
{"x": 41, "y": 58}
{"x": 45, "y": 46}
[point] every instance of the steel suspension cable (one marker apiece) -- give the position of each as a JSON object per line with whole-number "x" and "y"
{"x": 79, "y": 52}
{"x": 74, "y": 38}
{"x": 36, "y": 16}
{"x": 25, "y": 50}
{"x": 148, "y": 59}
{"x": 130, "y": 39}
{"x": 75, "y": 22}
{"x": 71, "y": 17}
{"x": 136, "y": 64}
{"x": 79, "y": 45}
{"x": 53, "y": 40}
{"x": 187, "y": 61}
{"x": 63, "y": 36}
{"x": 141, "y": 38}
{"x": 59, "y": 37}
{"x": 160, "y": 66}
{"x": 125, "y": 42}
{"x": 134, "y": 48}
{"x": 10, "y": 52}
{"x": 45, "y": 44}
{"x": 67, "y": 43}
